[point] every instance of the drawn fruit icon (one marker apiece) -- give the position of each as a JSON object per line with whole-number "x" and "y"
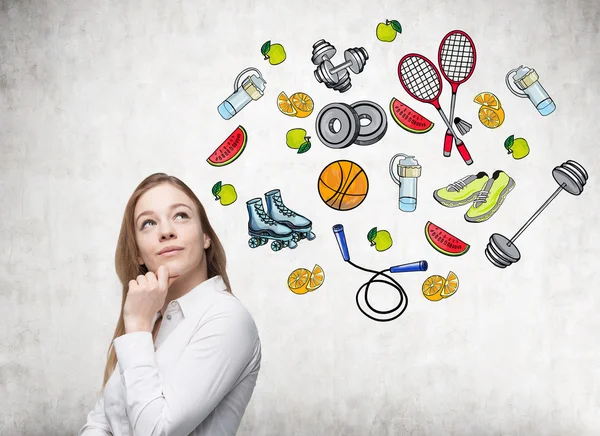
{"x": 285, "y": 105}
{"x": 225, "y": 193}
{"x": 450, "y": 285}
{"x": 298, "y": 105}
{"x": 487, "y": 99}
{"x": 297, "y": 139}
{"x": 443, "y": 241}
{"x": 409, "y": 119}
{"x": 432, "y": 287}
{"x": 387, "y": 31}
{"x": 491, "y": 114}
{"x": 491, "y": 118}
{"x": 317, "y": 277}
{"x": 275, "y": 53}
{"x": 381, "y": 239}
{"x": 298, "y": 280}
{"x": 303, "y": 104}
{"x": 230, "y": 149}
{"x": 518, "y": 147}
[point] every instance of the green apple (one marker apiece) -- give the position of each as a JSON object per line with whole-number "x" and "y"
{"x": 297, "y": 139}
{"x": 275, "y": 53}
{"x": 225, "y": 193}
{"x": 381, "y": 239}
{"x": 387, "y": 31}
{"x": 518, "y": 147}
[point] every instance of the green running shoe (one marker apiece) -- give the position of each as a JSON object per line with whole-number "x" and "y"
{"x": 462, "y": 191}
{"x": 490, "y": 198}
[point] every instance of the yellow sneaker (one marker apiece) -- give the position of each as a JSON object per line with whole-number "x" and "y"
{"x": 490, "y": 198}
{"x": 462, "y": 191}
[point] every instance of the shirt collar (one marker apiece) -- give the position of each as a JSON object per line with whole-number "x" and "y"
{"x": 190, "y": 301}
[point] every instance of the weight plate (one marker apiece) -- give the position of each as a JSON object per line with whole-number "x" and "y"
{"x": 349, "y": 125}
{"x": 501, "y": 251}
{"x": 377, "y": 127}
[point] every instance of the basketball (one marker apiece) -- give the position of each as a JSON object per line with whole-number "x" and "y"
{"x": 343, "y": 185}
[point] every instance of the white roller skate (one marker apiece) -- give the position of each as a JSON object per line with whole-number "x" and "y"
{"x": 279, "y": 212}
{"x": 262, "y": 228}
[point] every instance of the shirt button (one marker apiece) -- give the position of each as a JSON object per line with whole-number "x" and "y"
{"x": 173, "y": 303}
{"x": 169, "y": 317}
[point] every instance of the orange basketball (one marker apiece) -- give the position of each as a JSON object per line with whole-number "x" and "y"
{"x": 343, "y": 185}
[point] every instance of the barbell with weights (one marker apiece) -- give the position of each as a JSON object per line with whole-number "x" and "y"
{"x": 571, "y": 177}
{"x": 337, "y": 77}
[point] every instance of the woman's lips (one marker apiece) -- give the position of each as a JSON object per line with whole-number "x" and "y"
{"x": 171, "y": 252}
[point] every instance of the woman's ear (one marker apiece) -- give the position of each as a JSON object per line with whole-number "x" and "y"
{"x": 206, "y": 242}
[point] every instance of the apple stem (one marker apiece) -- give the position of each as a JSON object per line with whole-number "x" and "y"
{"x": 217, "y": 197}
{"x": 387, "y": 22}
{"x": 266, "y": 57}
{"x": 372, "y": 243}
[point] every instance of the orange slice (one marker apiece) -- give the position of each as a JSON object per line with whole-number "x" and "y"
{"x": 298, "y": 280}
{"x": 450, "y": 286}
{"x": 487, "y": 99}
{"x": 303, "y": 104}
{"x": 285, "y": 106}
{"x": 432, "y": 287}
{"x": 316, "y": 278}
{"x": 491, "y": 118}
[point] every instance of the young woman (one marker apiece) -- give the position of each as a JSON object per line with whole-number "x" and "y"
{"x": 186, "y": 354}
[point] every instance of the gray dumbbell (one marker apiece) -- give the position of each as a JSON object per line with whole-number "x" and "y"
{"x": 337, "y": 77}
{"x": 571, "y": 177}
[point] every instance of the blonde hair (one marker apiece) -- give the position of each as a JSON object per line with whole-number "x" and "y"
{"x": 128, "y": 268}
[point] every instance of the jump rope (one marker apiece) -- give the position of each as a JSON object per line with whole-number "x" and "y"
{"x": 385, "y": 315}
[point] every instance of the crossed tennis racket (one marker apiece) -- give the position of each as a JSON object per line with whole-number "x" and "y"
{"x": 421, "y": 80}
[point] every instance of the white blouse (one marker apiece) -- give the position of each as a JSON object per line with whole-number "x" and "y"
{"x": 196, "y": 379}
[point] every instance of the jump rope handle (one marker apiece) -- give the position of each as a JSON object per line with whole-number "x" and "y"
{"x": 340, "y": 236}
{"x": 419, "y": 265}
{"x": 338, "y": 231}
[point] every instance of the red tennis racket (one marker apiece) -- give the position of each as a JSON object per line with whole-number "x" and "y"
{"x": 421, "y": 80}
{"x": 456, "y": 58}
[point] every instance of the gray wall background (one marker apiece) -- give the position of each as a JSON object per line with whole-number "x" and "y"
{"x": 97, "y": 95}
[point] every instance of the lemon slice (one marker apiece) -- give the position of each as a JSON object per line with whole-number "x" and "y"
{"x": 316, "y": 278}
{"x": 491, "y": 118}
{"x": 298, "y": 280}
{"x": 285, "y": 106}
{"x": 432, "y": 287}
{"x": 450, "y": 286}
{"x": 487, "y": 99}
{"x": 303, "y": 104}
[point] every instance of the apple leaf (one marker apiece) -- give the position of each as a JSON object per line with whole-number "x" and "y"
{"x": 396, "y": 26}
{"x": 265, "y": 48}
{"x": 216, "y": 188}
{"x": 372, "y": 233}
{"x": 304, "y": 147}
{"x": 509, "y": 142}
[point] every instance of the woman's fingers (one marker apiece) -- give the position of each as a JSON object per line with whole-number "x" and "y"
{"x": 141, "y": 280}
{"x": 163, "y": 278}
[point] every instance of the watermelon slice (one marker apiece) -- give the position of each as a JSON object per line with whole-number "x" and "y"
{"x": 409, "y": 119}
{"x": 444, "y": 242}
{"x": 230, "y": 149}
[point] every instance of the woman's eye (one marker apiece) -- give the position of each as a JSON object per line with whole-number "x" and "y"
{"x": 185, "y": 215}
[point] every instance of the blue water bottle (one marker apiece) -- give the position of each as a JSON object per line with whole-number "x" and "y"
{"x": 408, "y": 171}
{"x": 527, "y": 80}
{"x": 252, "y": 88}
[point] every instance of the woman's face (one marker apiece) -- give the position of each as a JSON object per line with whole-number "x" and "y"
{"x": 166, "y": 217}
